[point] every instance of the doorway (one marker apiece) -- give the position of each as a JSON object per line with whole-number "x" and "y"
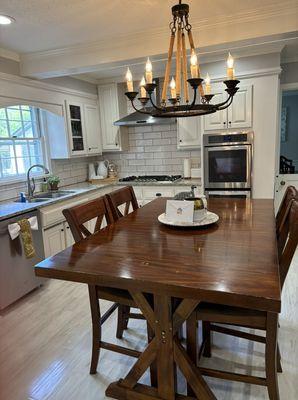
{"x": 288, "y": 157}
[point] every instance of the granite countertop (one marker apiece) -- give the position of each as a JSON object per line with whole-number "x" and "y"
{"x": 9, "y": 209}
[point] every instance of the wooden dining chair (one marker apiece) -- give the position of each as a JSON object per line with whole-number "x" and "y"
{"x": 121, "y": 201}
{"x": 213, "y": 315}
{"x": 122, "y": 198}
{"x": 80, "y": 218}
{"x": 290, "y": 193}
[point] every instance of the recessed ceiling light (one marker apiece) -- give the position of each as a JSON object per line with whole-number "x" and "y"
{"x": 6, "y": 19}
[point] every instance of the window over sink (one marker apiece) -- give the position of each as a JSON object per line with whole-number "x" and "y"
{"x": 21, "y": 141}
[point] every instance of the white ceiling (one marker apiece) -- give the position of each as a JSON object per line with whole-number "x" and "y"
{"x": 50, "y": 24}
{"x": 100, "y": 37}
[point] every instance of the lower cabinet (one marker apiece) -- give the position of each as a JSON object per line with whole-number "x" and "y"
{"x": 69, "y": 240}
{"x": 57, "y": 238}
{"x": 54, "y": 240}
{"x": 145, "y": 194}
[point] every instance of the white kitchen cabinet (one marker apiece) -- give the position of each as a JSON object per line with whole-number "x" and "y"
{"x": 112, "y": 106}
{"x": 69, "y": 240}
{"x": 240, "y": 111}
{"x": 189, "y": 132}
{"x": 54, "y": 240}
{"x": 92, "y": 125}
{"x": 57, "y": 238}
{"x": 237, "y": 116}
{"x": 76, "y": 128}
{"x": 217, "y": 120}
{"x": 77, "y": 133}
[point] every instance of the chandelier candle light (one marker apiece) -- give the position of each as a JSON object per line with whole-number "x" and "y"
{"x": 180, "y": 28}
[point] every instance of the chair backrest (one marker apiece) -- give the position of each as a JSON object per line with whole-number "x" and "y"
{"x": 290, "y": 193}
{"x": 79, "y": 215}
{"x": 288, "y": 239}
{"x": 124, "y": 197}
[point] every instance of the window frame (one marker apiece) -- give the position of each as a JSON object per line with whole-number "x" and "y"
{"x": 43, "y": 144}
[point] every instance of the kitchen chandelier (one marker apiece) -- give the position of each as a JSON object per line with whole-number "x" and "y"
{"x": 180, "y": 27}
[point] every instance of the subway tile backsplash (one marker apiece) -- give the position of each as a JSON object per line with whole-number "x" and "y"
{"x": 152, "y": 150}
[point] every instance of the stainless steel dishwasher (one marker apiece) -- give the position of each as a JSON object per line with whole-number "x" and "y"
{"x": 16, "y": 271}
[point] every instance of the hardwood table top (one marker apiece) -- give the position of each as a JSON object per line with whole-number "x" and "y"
{"x": 233, "y": 262}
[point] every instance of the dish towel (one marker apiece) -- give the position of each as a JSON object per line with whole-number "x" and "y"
{"x": 24, "y": 227}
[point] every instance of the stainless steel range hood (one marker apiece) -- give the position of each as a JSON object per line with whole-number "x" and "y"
{"x": 137, "y": 118}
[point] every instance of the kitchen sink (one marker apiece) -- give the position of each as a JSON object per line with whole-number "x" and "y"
{"x": 45, "y": 196}
{"x": 53, "y": 195}
{"x": 34, "y": 200}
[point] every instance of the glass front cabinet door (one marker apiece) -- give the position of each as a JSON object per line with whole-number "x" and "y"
{"x": 76, "y": 128}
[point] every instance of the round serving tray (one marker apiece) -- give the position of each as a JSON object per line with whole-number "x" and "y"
{"x": 210, "y": 218}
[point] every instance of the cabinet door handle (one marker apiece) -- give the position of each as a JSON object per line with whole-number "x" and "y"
{"x": 180, "y": 141}
{"x": 62, "y": 230}
{"x": 282, "y": 183}
{"x": 90, "y": 148}
{"x": 158, "y": 194}
{"x": 224, "y": 123}
{"x": 230, "y": 122}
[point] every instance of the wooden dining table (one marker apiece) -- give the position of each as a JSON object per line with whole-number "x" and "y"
{"x": 232, "y": 262}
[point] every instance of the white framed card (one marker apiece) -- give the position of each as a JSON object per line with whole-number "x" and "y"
{"x": 179, "y": 210}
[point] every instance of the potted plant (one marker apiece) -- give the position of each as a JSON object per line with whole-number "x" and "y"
{"x": 53, "y": 182}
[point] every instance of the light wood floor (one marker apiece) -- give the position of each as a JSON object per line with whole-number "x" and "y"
{"x": 45, "y": 344}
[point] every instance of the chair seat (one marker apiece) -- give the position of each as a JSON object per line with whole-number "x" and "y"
{"x": 231, "y": 315}
{"x": 115, "y": 295}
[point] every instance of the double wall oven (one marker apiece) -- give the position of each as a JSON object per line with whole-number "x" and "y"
{"x": 228, "y": 164}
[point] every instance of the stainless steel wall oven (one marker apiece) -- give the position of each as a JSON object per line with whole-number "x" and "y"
{"x": 228, "y": 162}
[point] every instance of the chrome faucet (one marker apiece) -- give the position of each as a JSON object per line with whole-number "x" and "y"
{"x": 31, "y": 187}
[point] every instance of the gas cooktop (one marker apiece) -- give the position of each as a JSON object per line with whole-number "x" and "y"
{"x": 152, "y": 178}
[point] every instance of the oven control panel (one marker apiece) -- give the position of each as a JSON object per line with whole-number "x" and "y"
{"x": 241, "y": 137}
{"x": 216, "y": 139}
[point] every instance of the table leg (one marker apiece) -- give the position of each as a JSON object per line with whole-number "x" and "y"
{"x": 165, "y": 356}
{"x": 165, "y": 350}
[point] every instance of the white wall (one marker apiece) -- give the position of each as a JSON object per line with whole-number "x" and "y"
{"x": 265, "y": 123}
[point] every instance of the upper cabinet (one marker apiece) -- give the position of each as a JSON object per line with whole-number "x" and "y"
{"x": 237, "y": 116}
{"x": 93, "y": 133}
{"x": 189, "y": 132}
{"x": 112, "y": 106}
{"x": 75, "y": 134}
{"x": 217, "y": 120}
{"x": 240, "y": 111}
{"x": 76, "y": 128}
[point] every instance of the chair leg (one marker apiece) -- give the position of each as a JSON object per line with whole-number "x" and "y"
{"x": 120, "y": 327}
{"x": 96, "y": 328}
{"x": 271, "y": 356}
{"x": 126, "y": 316}
{"x": 192, "y": 344}
{"x": 123, "y": 312}
{"x": 279, "y": 366}
{"x": 206, "y": 339}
